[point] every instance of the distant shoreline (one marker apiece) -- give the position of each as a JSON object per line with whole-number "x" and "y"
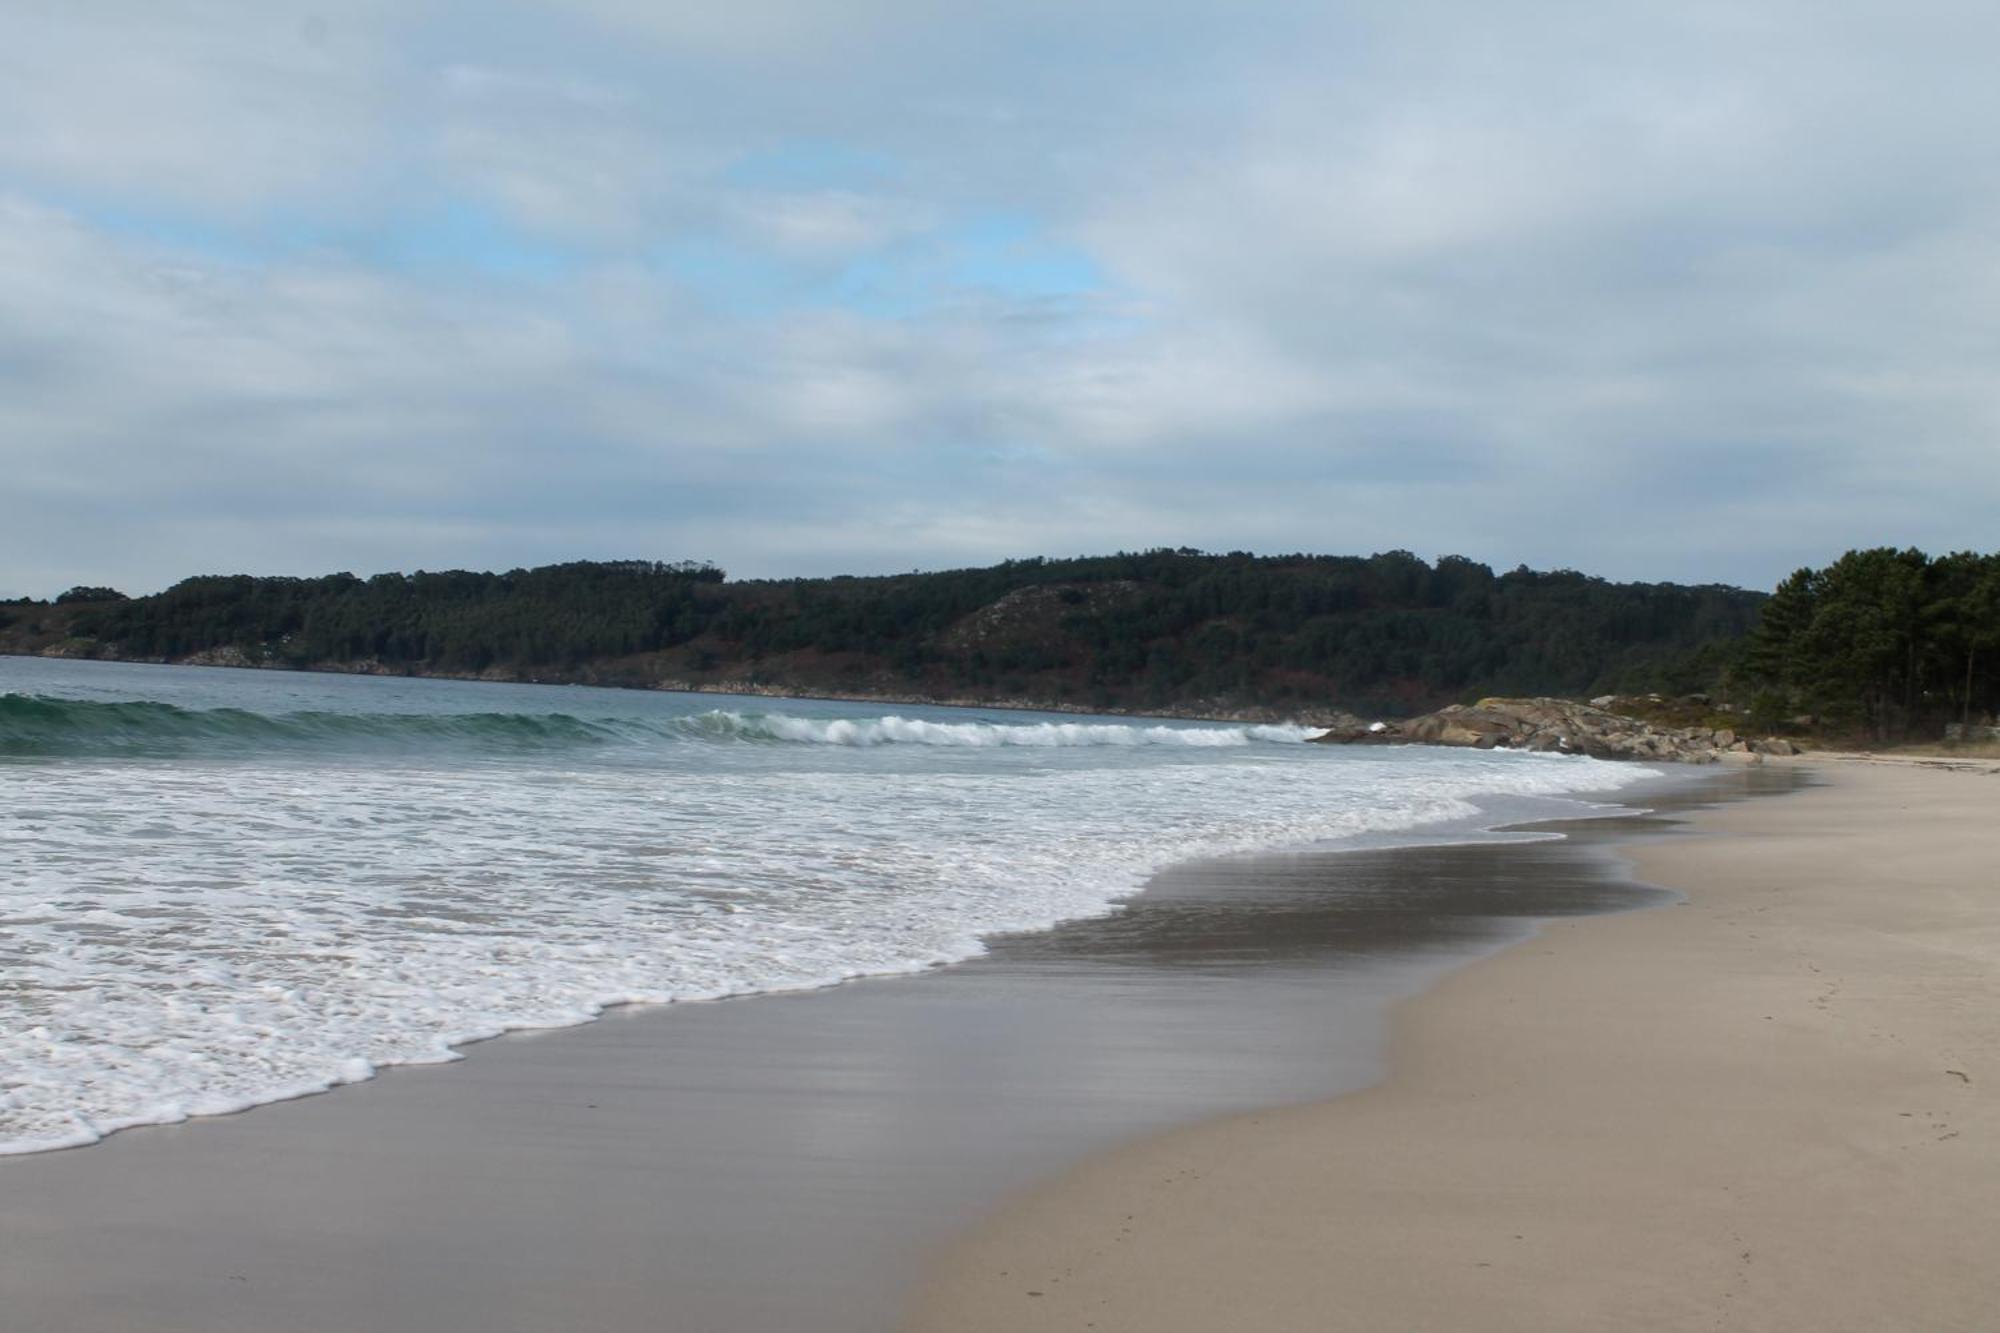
{"x": 1177, "y": 633}
{"x": 739, "y": 688}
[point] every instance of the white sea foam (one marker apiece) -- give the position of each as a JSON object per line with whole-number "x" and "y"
{"x": 895, "y": 730}
{"x": 190, "y": 936}
{"x": 33, "y": 726}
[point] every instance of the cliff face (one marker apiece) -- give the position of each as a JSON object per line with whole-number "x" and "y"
{"x": 1561, "y": 726}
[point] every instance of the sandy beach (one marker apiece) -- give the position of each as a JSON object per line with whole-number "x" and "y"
{"x": 1769, "y": 1107}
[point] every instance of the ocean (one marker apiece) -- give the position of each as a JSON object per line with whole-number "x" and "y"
{"x": 220, "y": 888}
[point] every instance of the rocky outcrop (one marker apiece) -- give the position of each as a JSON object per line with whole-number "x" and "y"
{"x": 1560, "y": 726}
{"x": 1035, "y": 615}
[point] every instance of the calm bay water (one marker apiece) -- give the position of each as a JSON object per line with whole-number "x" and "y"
{"x": 220, "y": 888}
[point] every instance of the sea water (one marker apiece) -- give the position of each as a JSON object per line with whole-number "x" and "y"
{"x": 220, "y": 888}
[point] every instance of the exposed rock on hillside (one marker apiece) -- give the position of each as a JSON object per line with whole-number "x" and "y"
{"x": 1035, "y": 614}
{"x": 1562, "y": 726}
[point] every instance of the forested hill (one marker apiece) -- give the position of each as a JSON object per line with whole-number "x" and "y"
{"x": 1162, "y": 630}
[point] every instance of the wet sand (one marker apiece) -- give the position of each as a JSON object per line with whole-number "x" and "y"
{"x": 1770, "y": 1107}
{"x": 775, "y": 1162}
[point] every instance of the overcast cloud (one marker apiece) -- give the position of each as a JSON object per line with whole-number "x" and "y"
{"x": 1693, "y": 292}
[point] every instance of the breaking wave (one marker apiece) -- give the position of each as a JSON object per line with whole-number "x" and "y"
{"x": 269, "y": 901}
{"x": 36, "y": 726}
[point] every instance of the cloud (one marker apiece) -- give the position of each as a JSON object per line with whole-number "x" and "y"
{"x": 559, "y": 154}
{"x": 1697, "y": 293}
{"x": 228, "y": 106}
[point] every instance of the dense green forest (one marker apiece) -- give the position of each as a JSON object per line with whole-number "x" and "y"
{"x": 1890, "y": 643}
{"x": 1881, "y": 642}
{"x": 1166, "y": 629}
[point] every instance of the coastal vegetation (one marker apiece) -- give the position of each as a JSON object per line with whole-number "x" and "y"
{"x": 1887, "y": 643}
{"x": 1157, "y": 630}
{"x": 1880, "y": 644}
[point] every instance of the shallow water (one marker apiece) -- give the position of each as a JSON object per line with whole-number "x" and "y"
{"x": 222, "y": 888}
{"x": 783, "y": 1161}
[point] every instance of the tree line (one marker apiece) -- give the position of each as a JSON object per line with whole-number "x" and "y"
{"x": 1883, "y": 642}
{"x": 1893, "y": 643}
{"x": 1138, "y": 630}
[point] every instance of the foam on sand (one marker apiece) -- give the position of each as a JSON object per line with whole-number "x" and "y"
{"x": 206, "y": 909}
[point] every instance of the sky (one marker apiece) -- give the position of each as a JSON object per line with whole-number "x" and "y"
{"x": 1698, "y": 292}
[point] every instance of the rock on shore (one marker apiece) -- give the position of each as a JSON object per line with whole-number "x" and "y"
{"x": 1562, "y": 726}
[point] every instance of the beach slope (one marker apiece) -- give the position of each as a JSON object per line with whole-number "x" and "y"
{"x": 1772, "y": 1106}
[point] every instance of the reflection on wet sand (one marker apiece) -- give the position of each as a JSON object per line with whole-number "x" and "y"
{"x": 778, "y": 1162}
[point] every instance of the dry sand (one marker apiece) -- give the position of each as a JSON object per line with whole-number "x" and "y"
{"x": 1772, "y": 1107}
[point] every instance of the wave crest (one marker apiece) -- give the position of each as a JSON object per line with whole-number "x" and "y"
{"x": 895, "y": 730}
{"x": 38, "y": 726}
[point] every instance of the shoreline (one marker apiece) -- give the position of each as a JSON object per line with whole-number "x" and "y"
{"x": 1768, "y": 1106}
{"x": 582, "y": 1176}
{"x": 731, "y": 688}
{"x": 462, "y": 1043}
